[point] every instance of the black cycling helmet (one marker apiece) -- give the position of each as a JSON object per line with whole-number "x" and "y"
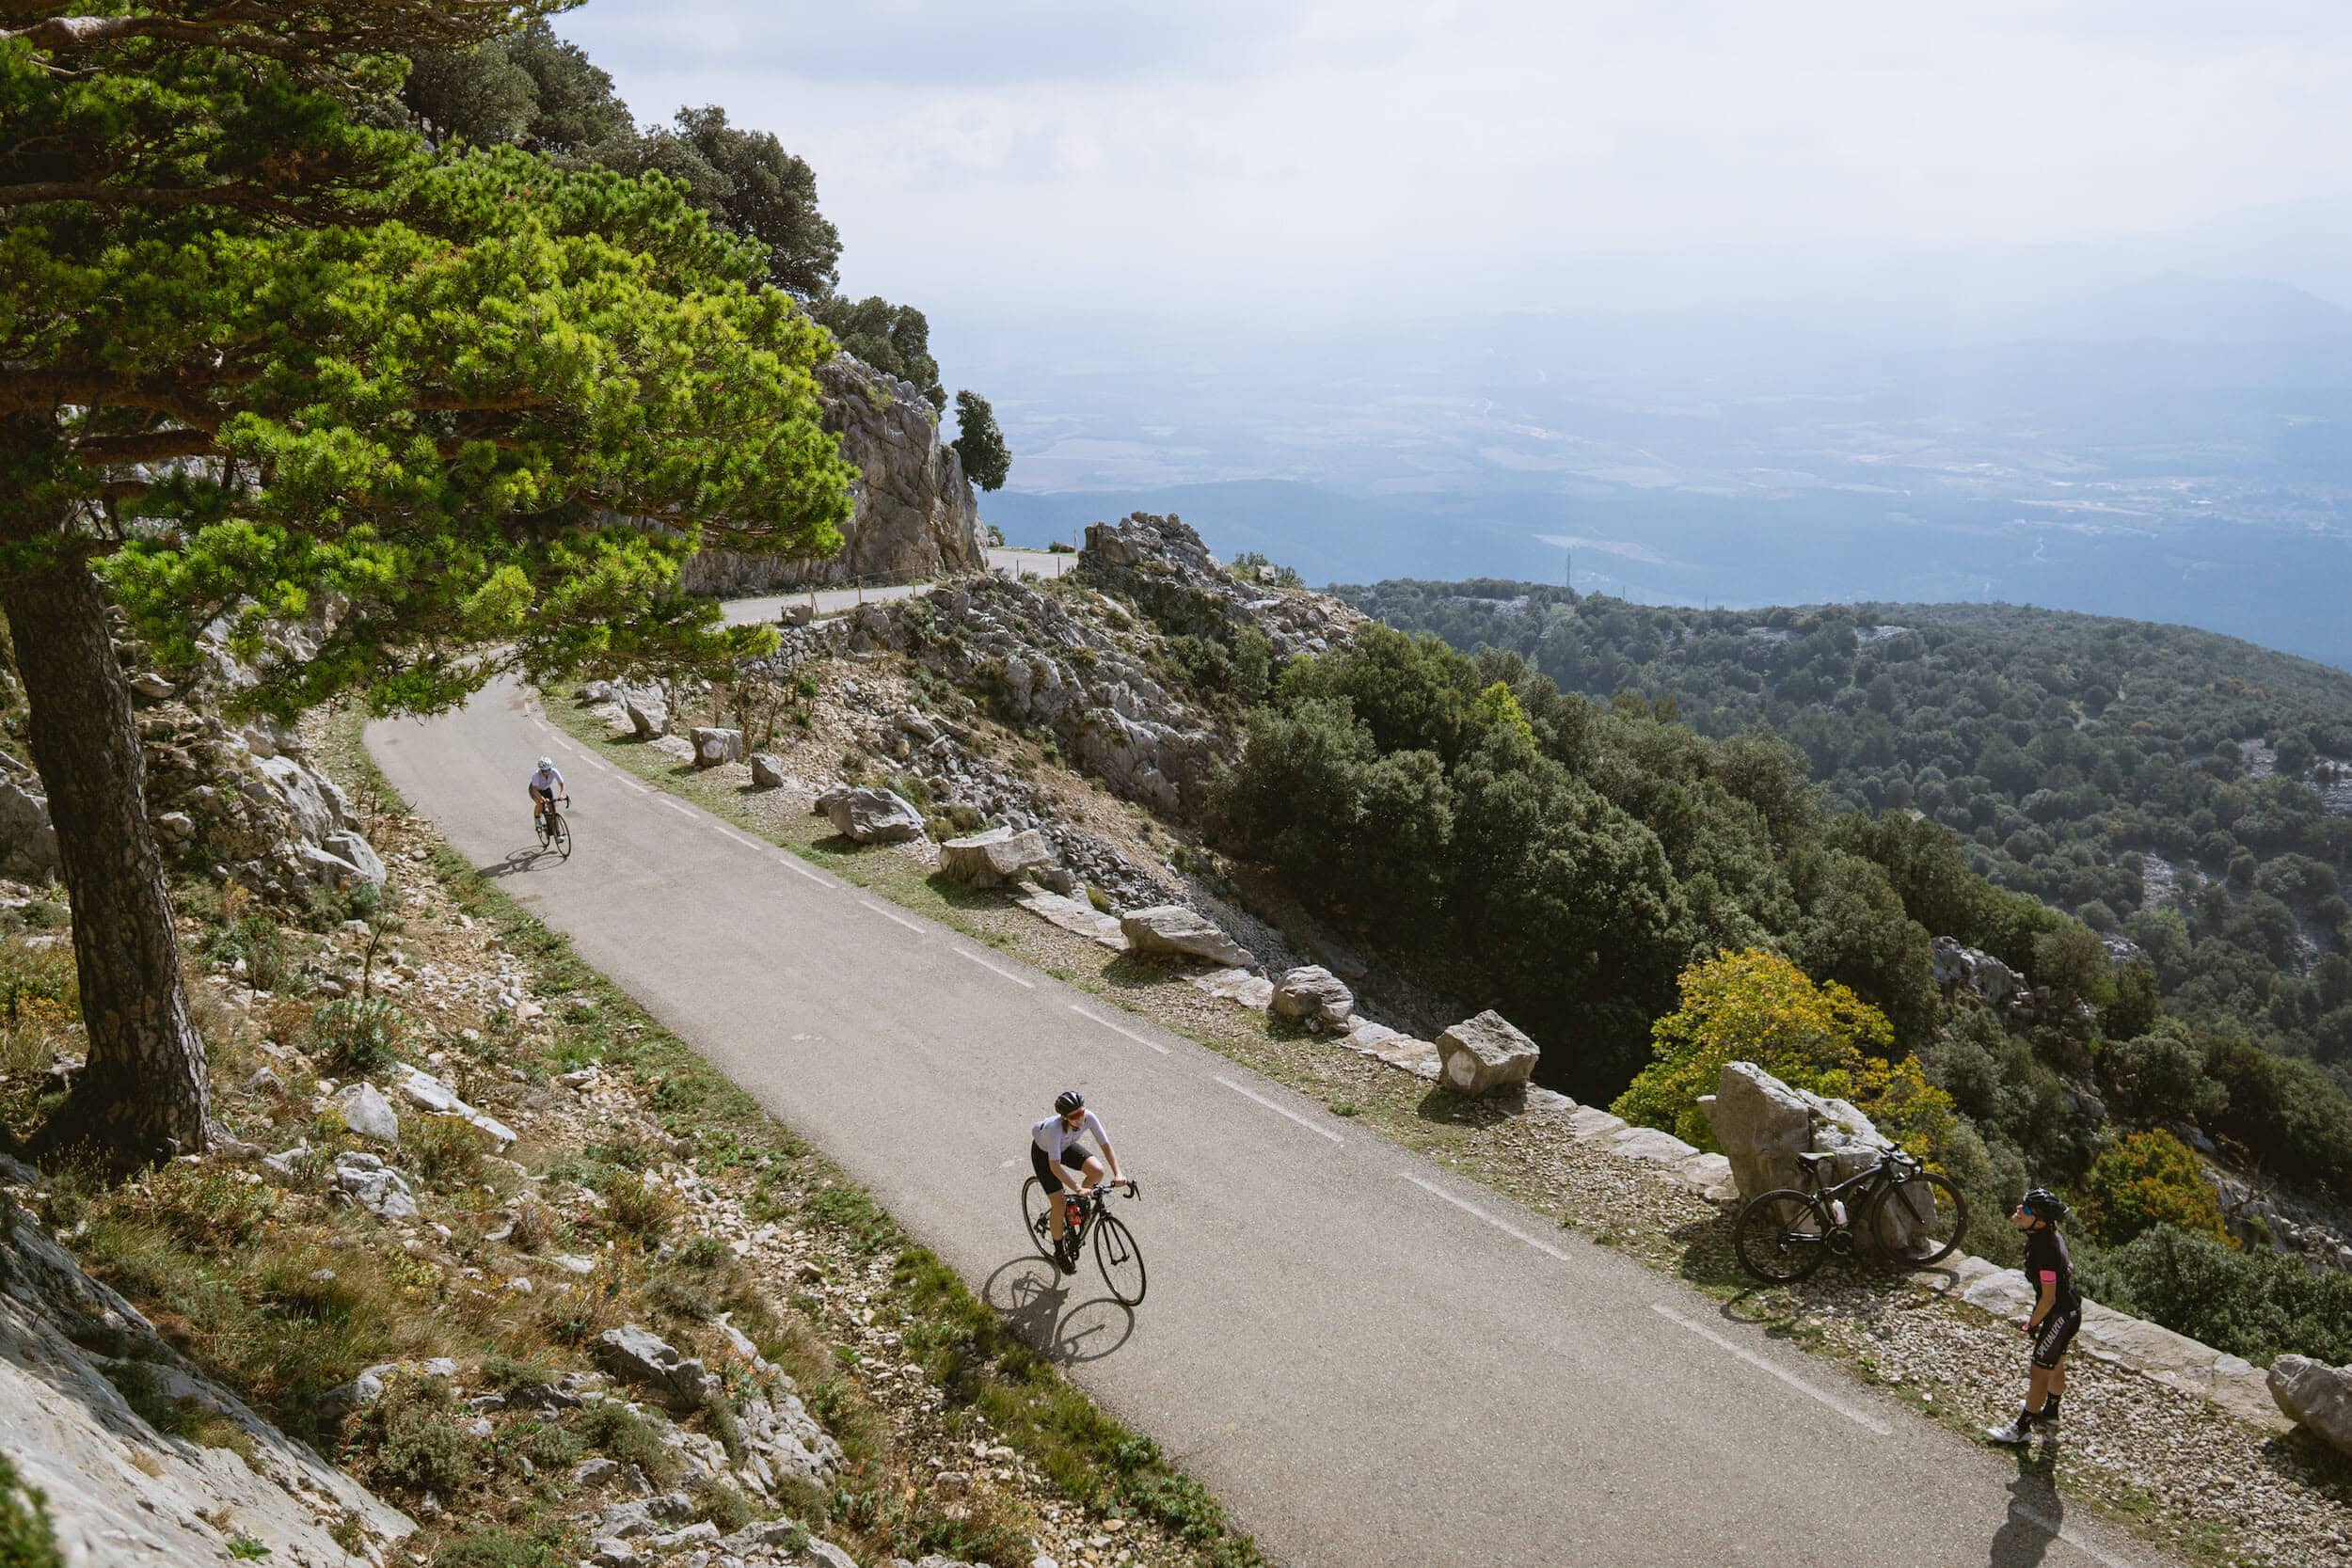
{"x": 2044, "y": 1205}
{"x": 1069, "y": 1101}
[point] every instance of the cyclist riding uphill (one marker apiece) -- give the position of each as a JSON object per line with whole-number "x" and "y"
{"x": 2058, "y": 1313}
{"x": 1055, "y": 1152}
{"x": 545, "y": 786}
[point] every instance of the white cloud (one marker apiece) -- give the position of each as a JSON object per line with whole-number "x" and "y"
{"x": 1054, "y": 150}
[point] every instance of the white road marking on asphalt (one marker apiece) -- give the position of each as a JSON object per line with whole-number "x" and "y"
{"x": 1858, "y": 1418}
{"x": 567, "y": 745}
{"x": 1280, "y": 1111}
{"x": 886, "y": 914}
{"x": 1116, "y": 1030}
{"x": 1000, "y": 973}
{"x": 798, "y": 870}
{"x": 1505, "y": 1225}
{"x": 739, "y": 838}
{"x": 594, "y": 763}
{"x": 640, "y": 789}
{"x": 676, "y": 807}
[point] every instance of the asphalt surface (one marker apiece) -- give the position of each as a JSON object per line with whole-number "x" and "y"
{"x": 833, "y": 601}
{"x": 1369, "y": 1359}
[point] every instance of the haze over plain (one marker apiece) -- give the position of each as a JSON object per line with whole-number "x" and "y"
{"x": 2028, "y": 302}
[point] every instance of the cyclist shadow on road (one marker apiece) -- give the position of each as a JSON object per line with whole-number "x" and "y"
{"x": 517, "y": 861}
{"x": 1040, "y": 1303}
{"x": 2036, "y": 1513}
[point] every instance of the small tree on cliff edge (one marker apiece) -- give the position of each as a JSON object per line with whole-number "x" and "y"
{"x": 263, "y": 361}
{"x": 987, "y": 460}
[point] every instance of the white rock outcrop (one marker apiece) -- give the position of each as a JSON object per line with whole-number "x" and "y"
{"x": 118, "y": 1491}
{"x": 872, "y": 816}
{"x": 995, "y": 858}
{"x": 1314, "y": 996}
{"x": 1484, "y": 1053}
{"x": 1180, "y": 930}
{"x": 2317, "y": 1396}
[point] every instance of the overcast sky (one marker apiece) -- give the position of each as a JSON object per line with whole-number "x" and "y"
{"x": 1110, "y": 150}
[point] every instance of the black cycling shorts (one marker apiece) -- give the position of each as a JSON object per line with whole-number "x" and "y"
{"x": 2058, "y": 1332}
{"x": 1077, "y": 1154}
{"x": 538, "y": 794}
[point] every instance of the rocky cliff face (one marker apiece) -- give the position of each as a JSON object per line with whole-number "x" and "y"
{"x": 916, "y": 516}
{"x": 1071, "y": 658}
{"x": 243, "y": 800}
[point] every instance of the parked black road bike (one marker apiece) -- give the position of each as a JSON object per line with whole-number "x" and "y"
{"x": 1906, "y": 1214}
{"x": 1115, "y": 1250}
{"x": 555, "y": 832}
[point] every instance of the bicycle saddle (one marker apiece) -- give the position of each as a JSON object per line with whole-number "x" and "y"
{"x": 1815, "y": 1162}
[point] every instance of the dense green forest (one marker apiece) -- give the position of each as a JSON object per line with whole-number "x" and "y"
{"x": 1596, "y": 869}
{"x": 2186, "y": 793}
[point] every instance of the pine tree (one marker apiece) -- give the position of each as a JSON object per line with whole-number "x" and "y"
{"x": 265, "y": 360}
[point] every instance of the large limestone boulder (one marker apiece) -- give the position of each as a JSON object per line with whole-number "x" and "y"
{"x": 1315, "y": 997}
{"x": 647, "y": 715}
{"x": 1763, "y": 1125}
{"x": 1484, "y": 1053}
{"x": 640, "y": 1356}
{"x": 2316, "y": 1395}
{"x": 995, "y": 858}
{"x": 1178, "y": 929}
{"x": 715, "y": 747}
{"x": 766, "y": 770}
{"x": 873, "y": 816}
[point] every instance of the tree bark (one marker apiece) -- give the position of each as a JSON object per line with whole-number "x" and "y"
{"x": 144, "y": 1094}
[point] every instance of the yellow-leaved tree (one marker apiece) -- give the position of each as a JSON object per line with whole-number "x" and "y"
{"x": 1756, "y": 1006}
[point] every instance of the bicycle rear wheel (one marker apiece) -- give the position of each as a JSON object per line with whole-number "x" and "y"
{"x": 1120, "y": 1261}
{"x": 561, "y": 834}
{"x": 1037, "y": 1217}
{"x": 1918, "y": 1220}
{"x": 1782, "y": 1236}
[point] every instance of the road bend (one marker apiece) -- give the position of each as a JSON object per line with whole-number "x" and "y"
{"x": 1368, "y": 1358}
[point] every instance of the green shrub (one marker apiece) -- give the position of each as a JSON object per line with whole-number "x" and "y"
{"x": 497, "y": 1546}
{"x": 354, "y": 1037}
{"x": 2259, "y": 1305}
{"x": 613, "y": 1429}
{"x": 260, "y": 942}
{"x": 2148, "y": 1179}
{"x": 422, "y": 1448}
{"x": 445, "y": 1149}
{"x": 27, "y": 1537}
{"x": 639, "y": 1207}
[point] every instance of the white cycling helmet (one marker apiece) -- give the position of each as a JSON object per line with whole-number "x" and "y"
{"x": 547, "y": 765}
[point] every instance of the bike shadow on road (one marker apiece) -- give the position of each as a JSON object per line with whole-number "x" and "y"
{"x": 516, "y": 862}
{"x": 1041, "y": 1304}
{"x": 2036, "y": 1511}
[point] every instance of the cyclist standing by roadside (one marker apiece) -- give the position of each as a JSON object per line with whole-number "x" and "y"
{"x": 1055, "y": 1152}
{"x": 2058, "y": 1313}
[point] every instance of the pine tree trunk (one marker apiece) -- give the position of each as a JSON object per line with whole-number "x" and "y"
{"x": 143, "y": 1095}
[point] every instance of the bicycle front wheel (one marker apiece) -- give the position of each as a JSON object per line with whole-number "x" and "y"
{"x": 1782, "y": 1236}
{"x": 1037, "y": 1217}
{"x": 562, "y": 833}
{"x": 1120, "y": 1261}
{"x": 1918, "y": 1220}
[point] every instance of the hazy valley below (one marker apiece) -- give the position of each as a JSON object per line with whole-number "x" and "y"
{"x": 2175, "y": 451}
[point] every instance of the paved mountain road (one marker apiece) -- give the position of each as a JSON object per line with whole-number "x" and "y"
{"x": 1368, "y": 1358}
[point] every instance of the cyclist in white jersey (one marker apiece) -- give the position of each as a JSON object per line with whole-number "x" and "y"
{"x": 1055, "y": 1152}
{"x": 545, "y": 784}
